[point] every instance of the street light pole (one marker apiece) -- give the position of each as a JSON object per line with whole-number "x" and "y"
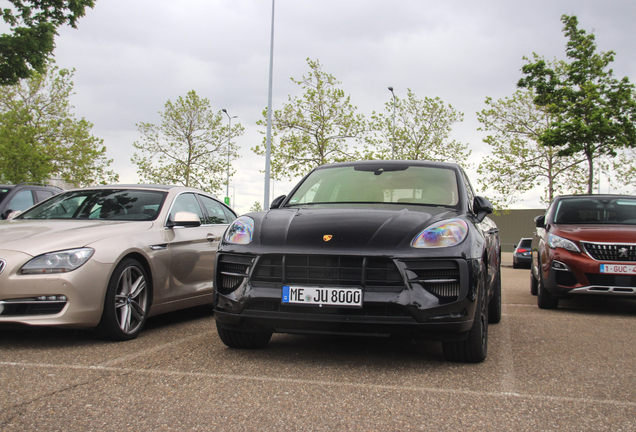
{"x": 229, "y": 137}
{"x": 393, "y": 132}
{"x": 268, "y": 141}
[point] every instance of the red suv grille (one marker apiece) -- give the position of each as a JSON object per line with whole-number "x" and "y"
{"x": 610, "y": 252}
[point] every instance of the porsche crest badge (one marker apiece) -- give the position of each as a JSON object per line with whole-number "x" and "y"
{"x": 327, "y": 237}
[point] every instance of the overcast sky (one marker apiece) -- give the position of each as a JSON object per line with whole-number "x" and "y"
{"x": 131, "y": 56}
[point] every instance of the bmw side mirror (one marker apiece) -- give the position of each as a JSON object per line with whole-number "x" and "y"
{"x": 277, "y": 202}
{"x": 12, "y": 214}
{"x": 184, "y": 219}
{"x": 539, "y": 221}
{"x": 481, "y": 207}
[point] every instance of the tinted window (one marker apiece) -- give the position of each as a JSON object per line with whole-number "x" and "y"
{"x": 215, "y": 210}
{"x": 525, "y": 243}
{"x": 187, "y": 202}
{"x": 600, "y": 210}
{"x": 21, "y": 200}
{"x": 112, "y": 204}
{"x": 41, "y": 195}
{"x": 378, "y": 184}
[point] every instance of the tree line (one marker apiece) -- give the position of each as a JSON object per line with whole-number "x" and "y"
{"x": 567, "y": 121}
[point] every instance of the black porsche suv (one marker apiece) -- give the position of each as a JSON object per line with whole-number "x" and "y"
{"x": 374, "y": 248}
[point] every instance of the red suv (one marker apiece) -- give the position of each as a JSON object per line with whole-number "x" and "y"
{"x": 584, "y": 245}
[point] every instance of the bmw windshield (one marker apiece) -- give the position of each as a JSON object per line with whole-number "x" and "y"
{"x": 110, "y": 204}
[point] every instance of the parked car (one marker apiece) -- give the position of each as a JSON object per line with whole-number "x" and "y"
{"x": 109, "y": 257}
{"x": 584, "y": 245}
{"x": 21, "y": 196}
{"x": 365, "y": 248}
{"x": 522, "y": 256}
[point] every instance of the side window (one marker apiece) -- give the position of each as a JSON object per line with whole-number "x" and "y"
{"x": 469, "y": 191}
{"x": 215, "y": 210}
{"x": 229, "y": 215}
{"x": 41, "y": 195}
{"x": 21, "y": 201}
{"x": 187, "y": 202}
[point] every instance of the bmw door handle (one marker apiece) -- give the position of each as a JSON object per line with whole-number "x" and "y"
{"x": 212, "y": 238}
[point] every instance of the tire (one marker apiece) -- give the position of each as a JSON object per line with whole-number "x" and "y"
{"x": 474, "y": 348}
{"x": 494, "y": 307}
{"x": 514, "y": 264}
{"x": 544, "y": 298}
{"x": 534, "y": 284}
{"x": 243, "y": 339}
{"x": 126, "y": 304}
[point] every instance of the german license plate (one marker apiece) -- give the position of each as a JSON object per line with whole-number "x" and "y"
{"x": 628, "y": 269}
{"x": 351, "y": 297}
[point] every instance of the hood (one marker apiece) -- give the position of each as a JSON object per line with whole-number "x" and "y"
{"x": 348, "y": 227}
{"x": 35, "y": 237}
{"x": 605, "y": 233}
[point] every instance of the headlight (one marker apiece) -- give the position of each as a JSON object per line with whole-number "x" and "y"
{"x": 554, "y": 241}
{"x": 241, "y": 231}
{"x": 58, "y": 262}
{"x": 442, "y": 234}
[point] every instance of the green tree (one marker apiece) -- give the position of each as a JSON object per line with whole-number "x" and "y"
{"x": 519, "y": 162}
{"x": 421, "y": 132}
{"x": 40, "y": 138}
{"x": 256, "y": 207}
{"x": 190, "y": 147}
{"x": 594, "y": 112}
{"x": 34, "y": 26}
{"x": 313, "y": 129}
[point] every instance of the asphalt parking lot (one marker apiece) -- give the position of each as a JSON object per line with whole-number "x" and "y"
{"x": 571, "y": 369}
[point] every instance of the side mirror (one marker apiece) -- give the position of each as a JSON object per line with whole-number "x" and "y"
{"x": 277, "y": 202}
{"x": 539, "y": 221}
{"x": 184, "y": 219}
{"x": 12, "y": 214}
{"x": 481, "y": 207}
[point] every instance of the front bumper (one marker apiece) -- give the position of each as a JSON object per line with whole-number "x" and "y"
{"x": 418, "y": 301}
{"x": 567, "y": 274}
{"x": 73, "y": 300}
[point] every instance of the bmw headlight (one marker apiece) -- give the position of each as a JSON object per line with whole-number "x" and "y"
{"x": 241, "y": 231}
{"x": 554, "y": 241}
{"x": 442, "y": 234}
{"x": 58, "y": 262}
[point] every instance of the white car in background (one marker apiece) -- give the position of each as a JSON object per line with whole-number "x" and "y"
{"x": 109, "y": 257}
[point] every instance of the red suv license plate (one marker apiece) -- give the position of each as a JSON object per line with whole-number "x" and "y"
{"x": 618, "y": 268}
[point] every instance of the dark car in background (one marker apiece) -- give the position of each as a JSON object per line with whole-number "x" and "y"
{"x": 522, "y": 255}
{"x": 21, "y": 196}
{"x": 373, "y": 248}
{"x": 585, "y": 245}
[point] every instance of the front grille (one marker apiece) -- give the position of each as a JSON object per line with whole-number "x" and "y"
{"x": 367, "y": 310}
{"x": 611, "y": 280}
{"x": 232, "y": 271}
{"x": 610, "y": 252}
{"x": 440, "y": 278}
{"x": 334, "y": 270}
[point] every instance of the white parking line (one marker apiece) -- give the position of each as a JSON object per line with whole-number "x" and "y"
{"x": 155, "y": 348}
{"x": 397, "y": 388}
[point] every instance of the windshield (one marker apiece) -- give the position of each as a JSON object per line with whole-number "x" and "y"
{"x": 596, "y": 211}
{"x": 403, "y": 184}
{"x": 111, "y": 204}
